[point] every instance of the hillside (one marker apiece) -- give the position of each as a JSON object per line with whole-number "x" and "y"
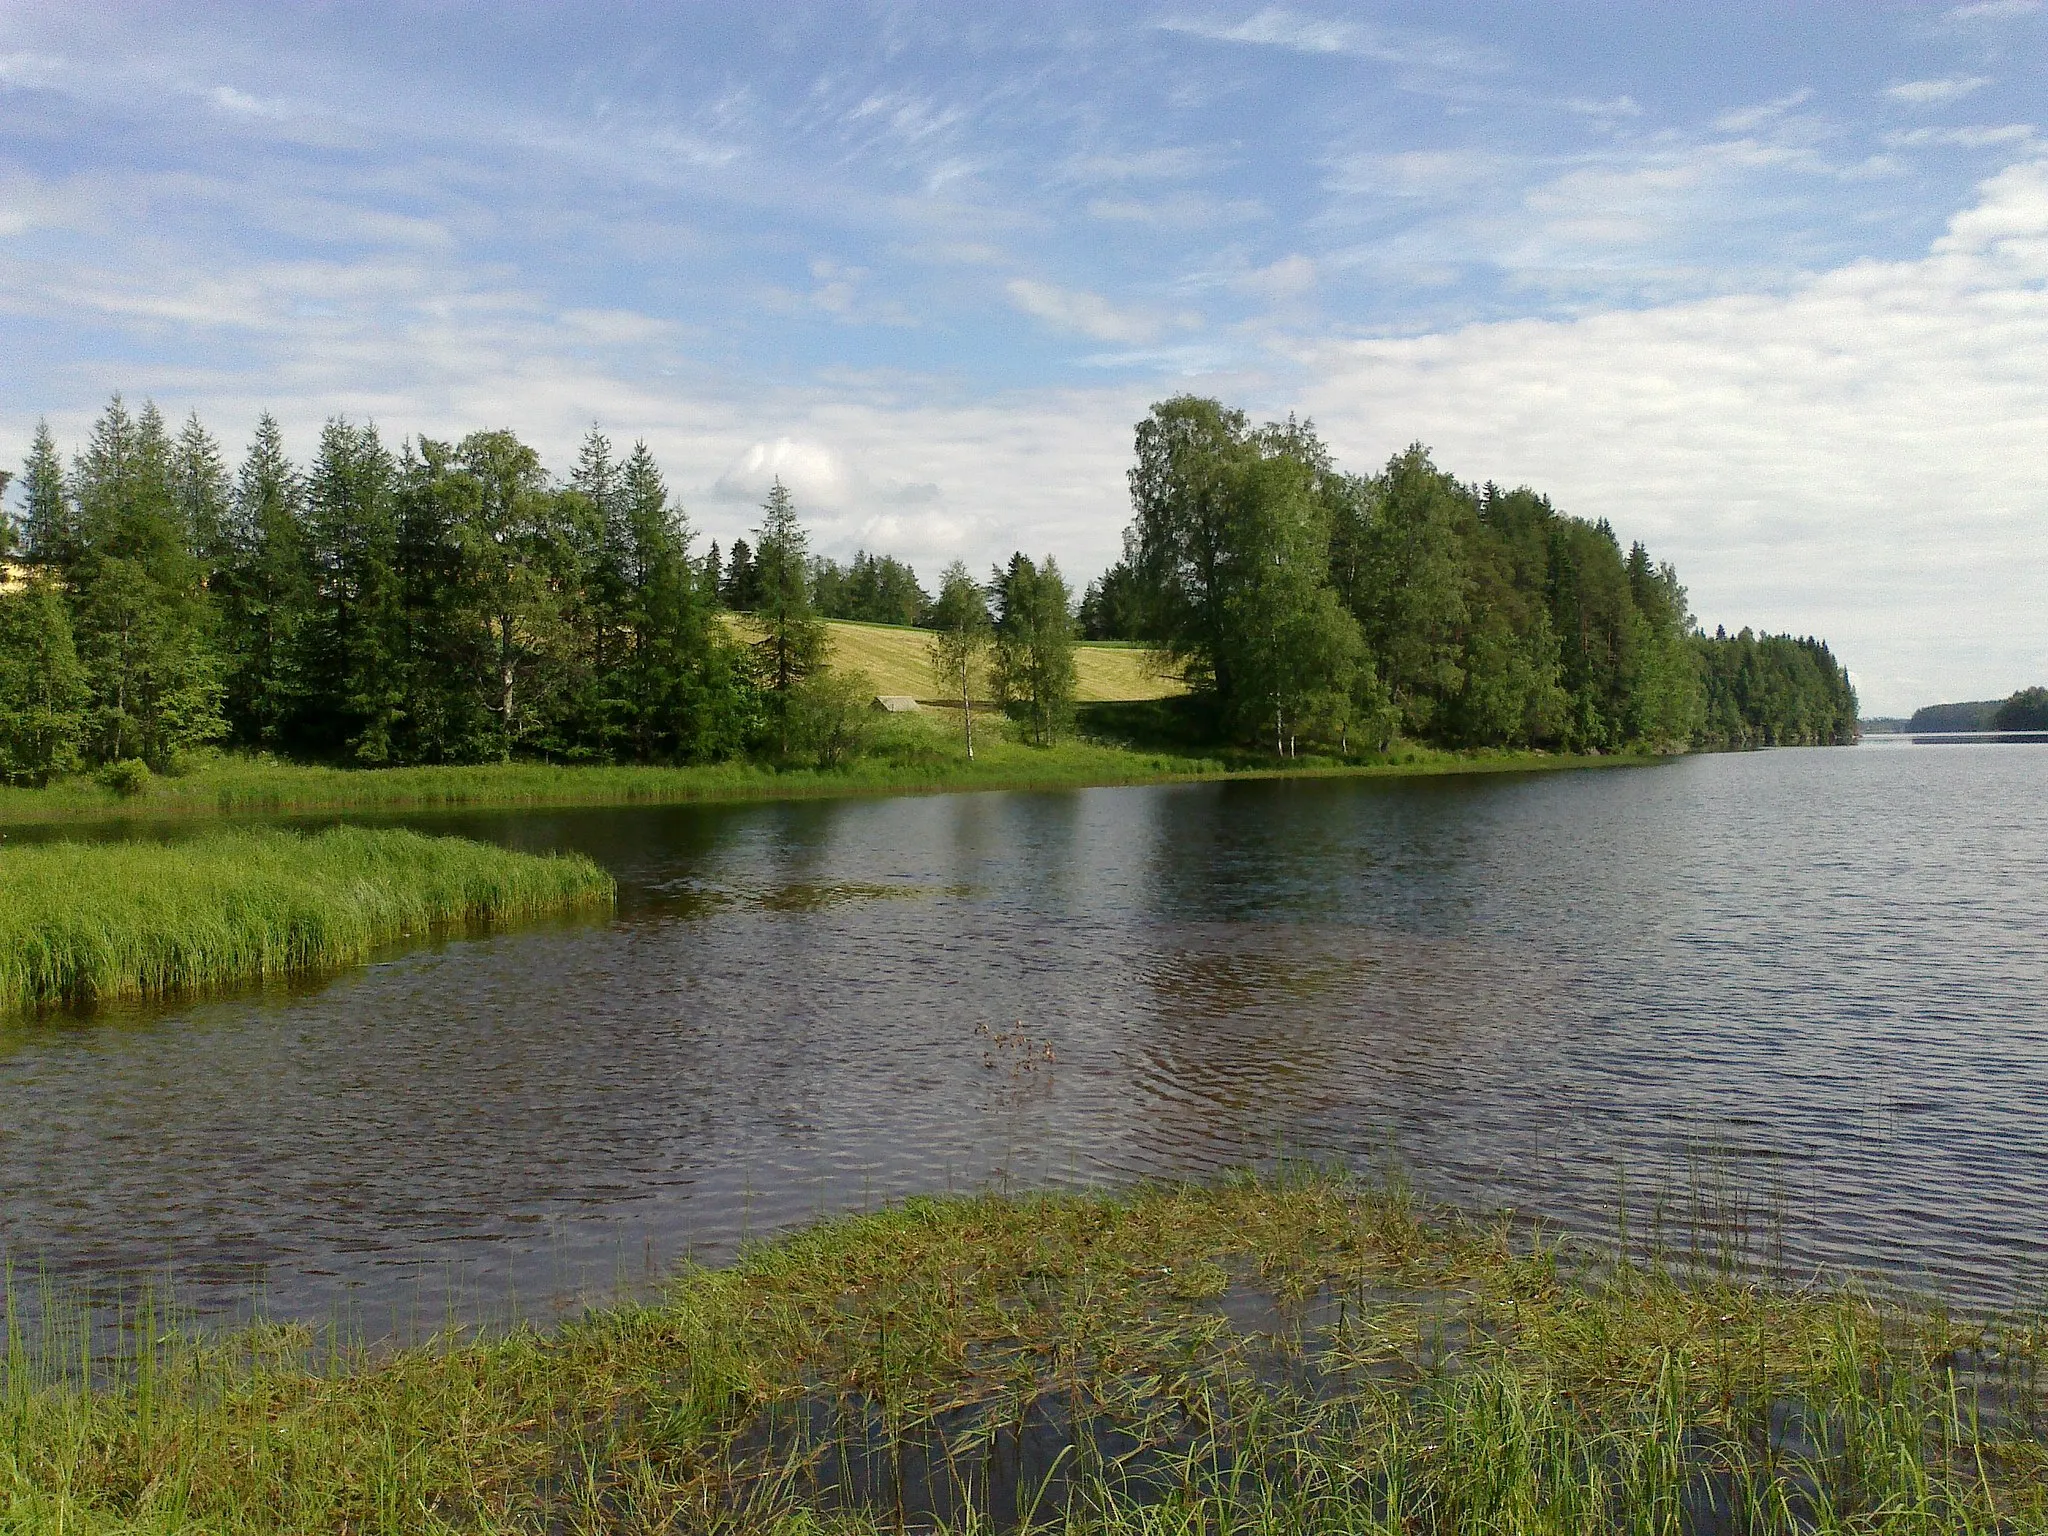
{"x": 895, "y": 658}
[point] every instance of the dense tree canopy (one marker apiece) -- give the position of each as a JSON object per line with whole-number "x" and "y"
{"x": 2026, "y": 710}
{"x": 1303, "y": 601}
{"x": 434, "y": 602}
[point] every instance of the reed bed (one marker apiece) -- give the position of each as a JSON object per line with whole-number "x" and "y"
{"x": 914, "y": 755}
{"x": 1296, "y": 1355}
{"x": 90, "y": 922}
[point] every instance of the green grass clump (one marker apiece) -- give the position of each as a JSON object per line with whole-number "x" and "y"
{"x": 1299, "y": 1356}
{"x": 1119, "y": 743}
{"x": 89, "y": 922}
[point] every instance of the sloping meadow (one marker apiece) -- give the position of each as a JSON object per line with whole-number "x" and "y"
{"x": 83, "y": 923}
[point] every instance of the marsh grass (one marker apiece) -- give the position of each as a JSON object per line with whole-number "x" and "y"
{"x": 912, "y": 755}
{"x": 90, "y": 922}
{"x": 1282, "y": 1355}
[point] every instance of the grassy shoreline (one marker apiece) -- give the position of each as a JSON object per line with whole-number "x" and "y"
{"x": 236, "y": 787}
{"x": 1293, "y": 1354}
{"x": 84, "y": 923}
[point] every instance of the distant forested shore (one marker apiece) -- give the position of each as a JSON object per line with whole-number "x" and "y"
{"x": 2025, "y": 710}
{"x": 452, "y": 602}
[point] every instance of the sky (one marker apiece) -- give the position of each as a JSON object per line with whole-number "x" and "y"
{"x": 1764, "y": 285}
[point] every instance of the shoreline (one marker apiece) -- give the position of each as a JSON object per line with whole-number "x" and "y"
{"x": 240, "y": 788}
{"x": 1300, "y": 1351}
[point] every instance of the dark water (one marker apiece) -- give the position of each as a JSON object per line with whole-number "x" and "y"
{"x": 1815, "y": 976}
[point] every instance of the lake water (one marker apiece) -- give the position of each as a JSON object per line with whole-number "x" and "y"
{"x": 1814, "y": 977}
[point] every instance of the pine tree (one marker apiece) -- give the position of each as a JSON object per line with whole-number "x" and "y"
{"x": 199, "y": 487}
{"x": 352, "y": 646}
{"x": 683, "y": 681}
{"x": 742, "y": 589}
{"x": 792, "y": 643}
{"x": 48, "y": 522}
{"x": 139, "y": 610}
{"x": 264, "y": 593}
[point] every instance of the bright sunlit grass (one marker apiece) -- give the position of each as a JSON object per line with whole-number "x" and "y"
{"x": 87, "y": 922}
{"x": 1299, "y": 1356}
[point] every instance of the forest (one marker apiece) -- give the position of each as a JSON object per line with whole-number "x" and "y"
{"x": 452, "y": 602}
{"x": 1307, "y": 602}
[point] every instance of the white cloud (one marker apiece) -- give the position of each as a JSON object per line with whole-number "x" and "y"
{"x": 812, "y": 472}
{"x": 242, "y": 104}
{"x": 1994, "y": 10}
{"x": 1968, "y": 137}
{"x": 1860, "y": 456}
{"x": 1074, "y": 309}
{"x": 1936, "y": 93}
{"x": 1169, "y": 163}
{"x": 1291, "y": 277}
{"x": 1749, "y": 119}
{"x": 1603, "y": 111}
{"x": 1277, "y": 27}
{"x": 1184, "y": 210}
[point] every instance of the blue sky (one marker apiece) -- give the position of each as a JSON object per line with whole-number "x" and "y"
{"x": 1763, "y": 285}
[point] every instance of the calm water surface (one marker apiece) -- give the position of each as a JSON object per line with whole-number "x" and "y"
{"x": 1818, "y": 976}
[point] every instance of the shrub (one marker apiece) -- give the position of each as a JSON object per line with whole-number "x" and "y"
{"x": 832, "y": 717}
{"x": 127, "y": 778}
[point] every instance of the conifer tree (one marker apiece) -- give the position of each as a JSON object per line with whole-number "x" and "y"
{"x": 49, "y": 533}
{"x": 353, "y": 646}
{"x": 199, "y": 487}
{"x": 682, "y": 674}
{"x": 792, "y": 643}
{"x": 264, "y": 591}
{"x": 139, "y": 610}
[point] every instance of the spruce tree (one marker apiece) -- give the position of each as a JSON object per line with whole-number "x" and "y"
{"x": 264, "y": 592}
{"x": 139, "y": 609}
{"x": 352, "y": 647}
{"x": 48, "y": 521}
{"x": 792, "y": 643}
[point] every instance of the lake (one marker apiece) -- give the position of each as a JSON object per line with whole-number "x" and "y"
{"x": 1800, "y": 989}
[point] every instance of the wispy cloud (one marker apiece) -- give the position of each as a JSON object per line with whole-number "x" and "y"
{"x": 1936, "y": 93}
{"x": 1173, "y": 162}
{"x": 1089, "y": 314}
{"x": 1276, "y": 27}
{"x": 1968, "y": 137}
{"x": 1994, "y": 10}
{"x": 1186, "y": 210}
{"x": 1749, "y": 119}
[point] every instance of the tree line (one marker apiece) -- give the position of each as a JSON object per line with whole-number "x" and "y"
{"x": 1310, "y": 605}
{"x": 450, "y": 601}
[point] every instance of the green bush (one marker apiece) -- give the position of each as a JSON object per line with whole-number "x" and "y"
{"x": 128, "y": 778}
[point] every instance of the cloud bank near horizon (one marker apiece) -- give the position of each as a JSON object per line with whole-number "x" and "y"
{"x": 1782, "y": 321}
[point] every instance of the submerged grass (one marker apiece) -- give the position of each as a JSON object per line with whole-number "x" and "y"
{"x": 1296, "y": 1355}
{"x": 89, "y": 922}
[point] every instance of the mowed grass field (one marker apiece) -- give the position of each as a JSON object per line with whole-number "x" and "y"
{"x": 896, "y": 659}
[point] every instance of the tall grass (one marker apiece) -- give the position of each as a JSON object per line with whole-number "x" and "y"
{"x": 915, "y": 755}
{"x": 86, "y": 922}
{"x": 1299, "y": 1356}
